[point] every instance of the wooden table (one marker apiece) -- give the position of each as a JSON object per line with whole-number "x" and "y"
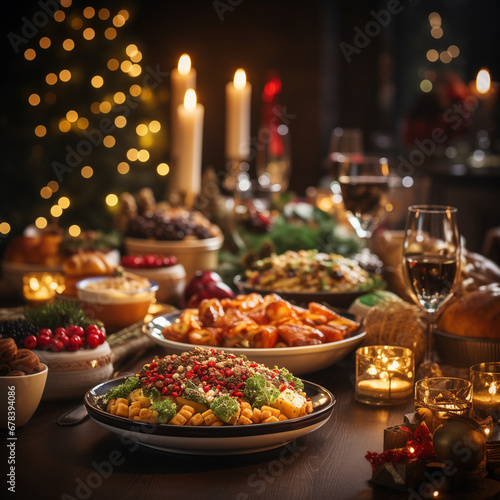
{"x": 87, "y": 461}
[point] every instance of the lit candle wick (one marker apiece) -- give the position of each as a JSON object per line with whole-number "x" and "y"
{"x": 190, "y": 100}
{"x": 483, "y": 81}
{"x": 240, "y": 79}
{"x": 184, "y": 65}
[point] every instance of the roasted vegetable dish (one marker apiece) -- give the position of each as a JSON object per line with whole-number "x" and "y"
{"x": 206, "y": 387}
{"x": 309, "y": 271}
{"x": 258, "y": 321}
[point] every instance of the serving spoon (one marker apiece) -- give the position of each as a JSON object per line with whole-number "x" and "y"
{"x": 79, "y": 413}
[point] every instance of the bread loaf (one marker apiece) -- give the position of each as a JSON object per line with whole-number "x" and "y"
{"x": 84, "y": 265}
{"x": 473, "y": 314}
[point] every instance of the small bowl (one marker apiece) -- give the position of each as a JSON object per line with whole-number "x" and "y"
{"x": 464, "y": 352}
{"x": 116, "y": 307}
{"x": 171, "y": 281}
{"x": 193, "y": 254}
{"x": 73, "y": 373}
{"x": 21, "y": 395}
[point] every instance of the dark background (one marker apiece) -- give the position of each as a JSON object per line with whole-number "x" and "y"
{"x": 299, "y": 40}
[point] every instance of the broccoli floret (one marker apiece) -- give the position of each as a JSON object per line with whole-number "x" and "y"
{"x": 123, "y": 390}
{"x": 224, "y": 407}
{"x": 254, "y": 386}
{"x": 267, "y": 396}
{"x": 259, "y": 392}
{"x": 152, "y": 393}
{"x": 298, "y": 385}
{"x": 166, "y": 409}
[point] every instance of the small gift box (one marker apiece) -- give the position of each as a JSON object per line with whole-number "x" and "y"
{"x": 400, "y": 476}
{"x": 403, "y": 466}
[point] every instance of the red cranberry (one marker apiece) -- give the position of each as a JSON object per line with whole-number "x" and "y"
{"x": 30, "y": 342}
{"x": 92, "y": 340}
{"x": 43, "y": 341}
{"x": 74, "y": 330}
{"x": 59, "y": 331}
{"x": 90, "y": 329}
{"x": 47, "y": 332}
{"x": 74, "y": 343}
{"x": 56, "y": 345}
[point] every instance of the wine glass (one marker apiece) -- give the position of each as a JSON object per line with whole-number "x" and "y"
{"x": 364, "y": 182}
{"x": 431, "y": 264}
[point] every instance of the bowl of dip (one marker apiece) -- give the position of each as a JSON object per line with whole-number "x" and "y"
{"x": 117, "y": 301}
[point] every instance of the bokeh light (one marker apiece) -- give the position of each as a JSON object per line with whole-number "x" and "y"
{"x": 87, "y": 172}
{"x": 162, "y": 169}
{"x": 74, "y": 230}
{"x": 111, "y": 200}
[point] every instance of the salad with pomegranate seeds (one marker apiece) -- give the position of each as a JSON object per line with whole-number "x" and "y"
{"x": 206, "y": 386}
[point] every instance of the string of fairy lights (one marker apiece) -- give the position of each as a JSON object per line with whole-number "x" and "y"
{"x": 444, "y": 56}
{"x": 84, "y": 26}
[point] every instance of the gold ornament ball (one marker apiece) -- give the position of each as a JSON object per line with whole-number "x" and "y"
{"x": 461, "y": 443}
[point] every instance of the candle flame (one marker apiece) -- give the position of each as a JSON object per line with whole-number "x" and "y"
{"x": 190, "y": 100}
{"x": 34, "y": 284}
{"x": 483, "y": 81}
{"x": 240, "y": 79}
{"x": 493, "y": 389}
{"x": 184, "y": 66}
{"x": 411, "y": 449}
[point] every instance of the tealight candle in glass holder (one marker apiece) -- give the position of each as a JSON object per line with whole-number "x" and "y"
{"x": 384, "y": 374}
{"x": 437, "y": 398}
{"x": 485, "y": 379}
{"x": 41, "y": 287}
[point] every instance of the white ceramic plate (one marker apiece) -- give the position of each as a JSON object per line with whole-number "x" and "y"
{"x": 224, "y": 440}
{"x": 298, "y": 360}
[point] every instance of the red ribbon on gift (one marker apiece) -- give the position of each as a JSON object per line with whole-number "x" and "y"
{"x": 419, "y": 445}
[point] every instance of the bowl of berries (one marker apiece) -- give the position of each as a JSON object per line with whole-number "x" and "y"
{"x": 186, "y": 234}
{"x": 72, "y": 345}
{"x": 163, "y": 269}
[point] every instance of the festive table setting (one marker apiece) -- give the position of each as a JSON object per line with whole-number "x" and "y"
{"x": 343, "y": 341}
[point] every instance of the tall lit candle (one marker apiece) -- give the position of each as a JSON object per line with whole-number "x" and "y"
{"x": 190, "y": 127}
{"x": 486, "y": 93}
{"x": 483, "y": 82}
{"x": 182, "y": 78}
{"x": 238, "y": 99}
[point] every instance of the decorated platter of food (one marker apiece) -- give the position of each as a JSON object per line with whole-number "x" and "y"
{"x": 267, "y": 329}
{"x": 207, "y": 401}
{"x": 309, "y": 275}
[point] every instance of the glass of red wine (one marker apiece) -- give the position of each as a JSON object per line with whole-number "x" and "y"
{"x": 364, "y": 182}
{"x": 431, "y": 265}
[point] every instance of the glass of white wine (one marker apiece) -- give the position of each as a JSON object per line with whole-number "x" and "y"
{"x": 364, "y": 181}
{"x": 431, "y": 266}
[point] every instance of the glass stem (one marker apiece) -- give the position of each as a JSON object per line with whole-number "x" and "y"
{"x": 429, "y": 353}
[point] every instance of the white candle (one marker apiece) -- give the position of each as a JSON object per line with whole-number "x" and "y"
{"x": 385, "y": 389}
{"x": 238, "y": 98}
{"x": 182, "y": 78}
{"x": 190, "y": 122}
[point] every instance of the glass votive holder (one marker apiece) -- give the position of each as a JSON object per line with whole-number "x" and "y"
{"x": 384, "y": 374}
{"x": 485, "y": 380}
{"x": 438, "y": 398}
{"x": 41, "y": 287}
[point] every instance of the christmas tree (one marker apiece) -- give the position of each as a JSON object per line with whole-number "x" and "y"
{"x": 91, "y": 121}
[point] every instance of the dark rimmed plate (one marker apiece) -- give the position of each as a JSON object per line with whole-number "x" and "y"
{"x": 335, "y": 299}
{"x": 231, "y": 439}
